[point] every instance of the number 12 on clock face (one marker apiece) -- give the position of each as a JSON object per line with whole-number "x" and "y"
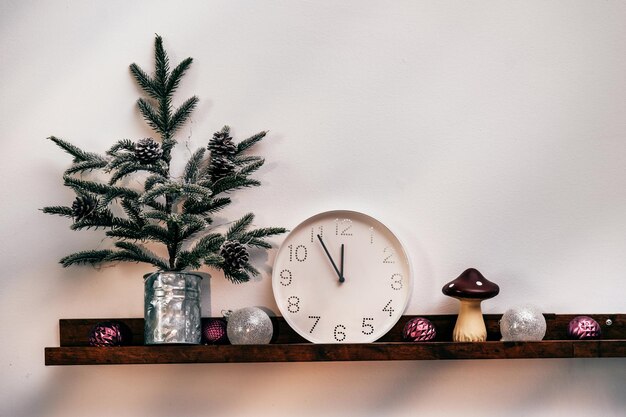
{"x": 341, "y": 277}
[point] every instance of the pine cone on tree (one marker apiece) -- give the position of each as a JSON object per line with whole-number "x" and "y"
{"x": 235, "y": 255}
{"x": 83, "y": 207}
{"x": 147, "y": 151}
{"x": 221, "y": 145}
{"x": 220, "y": 167}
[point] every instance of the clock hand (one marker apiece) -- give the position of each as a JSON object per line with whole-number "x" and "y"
{"x": 341, "y": 278}
{"x": 339, "y": 274}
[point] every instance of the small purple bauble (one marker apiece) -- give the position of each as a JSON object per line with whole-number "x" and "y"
{"x": 110, "y": 333}
{"x": 419, "y": 329}
{"x": 214, "y": 332}
{"x": 583, "y": 327}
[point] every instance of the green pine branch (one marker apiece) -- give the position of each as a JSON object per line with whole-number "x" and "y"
{"x": 238, "y": 228}
{"x": 103, "y": 218}
{"x": 146, "y": 83}
{"x": 181, "y": 114}
{"x": 170, "y": 211}
{"x": 153, "y": 180}
{"x": 89, "y": 257}
{"x": 251, "y": 141}
{"x": 209, "y": 206}
{"x": 232, "y": 183}
{"x": 78, "y": 154}
{"x": 59, "y": 210}
{"x": 132, "y": 208}
{"x": 202, "y": 250}
{"x": 251, "y": 167}
{"x": 132, "y": 252}
{"x": 127, "y": 168}
{"x": 83, "y": 166}
{"x": 121, "y": 145}
{"x": 236, "y": 277}
{"x": 151, "y": 116}
{"x": 158, "y": 233}
{"x": 177, "y": 75}
{"x": 193, "y": 166}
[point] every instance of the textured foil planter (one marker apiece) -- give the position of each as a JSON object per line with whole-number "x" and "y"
{"x": 172, "y": 308}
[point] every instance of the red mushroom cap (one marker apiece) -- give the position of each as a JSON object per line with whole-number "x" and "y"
{"x": 471, "y": 284}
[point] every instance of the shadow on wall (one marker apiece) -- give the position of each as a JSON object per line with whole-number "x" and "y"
{"x": 497, "y": 387}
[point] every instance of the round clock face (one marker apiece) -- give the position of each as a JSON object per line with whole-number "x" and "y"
{"x": 341, "y": 277}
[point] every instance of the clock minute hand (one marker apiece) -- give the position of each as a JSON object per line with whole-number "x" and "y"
{"x": 341, "y": 278}
{"x": 339, "y": 274}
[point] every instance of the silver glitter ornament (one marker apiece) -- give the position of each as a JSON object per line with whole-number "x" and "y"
{"x": 524, "y": 323}
{"x": 249, "y": 326}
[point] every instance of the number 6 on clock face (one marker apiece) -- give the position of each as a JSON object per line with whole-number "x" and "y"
{"x": 341, "y": 277}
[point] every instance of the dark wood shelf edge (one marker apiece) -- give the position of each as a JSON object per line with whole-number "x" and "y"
{"x": 288, "y": 346}
{"x": 307, "y": 352}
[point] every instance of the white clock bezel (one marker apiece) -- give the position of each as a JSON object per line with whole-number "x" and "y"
{"x": 383, "y": 231}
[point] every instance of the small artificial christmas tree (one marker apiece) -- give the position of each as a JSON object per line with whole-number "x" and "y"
{"x": 174, "y": 212}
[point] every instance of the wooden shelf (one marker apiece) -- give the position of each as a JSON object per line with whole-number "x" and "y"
{"x": 287, "y": 346}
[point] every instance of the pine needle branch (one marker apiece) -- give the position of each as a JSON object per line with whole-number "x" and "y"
{"x": 162, "y": 67}
{"x": 177, "y": 74}
{"x": 123, "y": 233}
{"x": 181, "y": 114}
{"x": 78, "y": 154}
{"x": 196, "y": 192}
{"x": 109, "y": 191}
{"x": 86, "y": 166}
{"x": 122, "y": 145}
{"x": 250, "y": 168}
{"x": 237, "y": 277}
{"x": 206, "y": 206}
{"x": 131, "y": 167}
{"x": 232, "y": 183}
{"x": 96, "y": 220}
{"x": 246, "y": 159}
{"x": 137, "y": 253}
{"x": 153, "y": 180}
{"x": 204, "y": 248}
{"x": 251, "y": 141}
{"x": 158, "y": 233}
{"x": 151, "y": 116}
{"x": 90, "y": 257}
{"x": 145, "y": 82}
{"x": 260, "y": 233}
{"x": 238, "y": 228}
{"x": 192, "y": 168}
{"x": 59, "y": 210}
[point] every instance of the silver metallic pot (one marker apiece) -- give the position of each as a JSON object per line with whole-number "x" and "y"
{"x": 172, "y": 308}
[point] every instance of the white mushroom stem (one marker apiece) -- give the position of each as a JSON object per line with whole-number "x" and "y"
{"x": 470, "y": 326}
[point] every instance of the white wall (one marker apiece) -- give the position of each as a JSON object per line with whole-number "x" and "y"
{"x": 484, "y": 133}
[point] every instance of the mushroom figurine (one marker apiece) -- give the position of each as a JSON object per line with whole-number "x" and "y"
{"x": 470, "y": 288}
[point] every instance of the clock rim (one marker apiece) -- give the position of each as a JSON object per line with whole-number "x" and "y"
{"x": 347, "y": 212}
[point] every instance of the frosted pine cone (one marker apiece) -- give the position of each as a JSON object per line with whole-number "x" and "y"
{"x": 83, "y": 207}
{"x": 235, "y": 255}
{"x": 222, "y": 145}
{"x": 220, "y": 167}
{"x": 147, "y": 151}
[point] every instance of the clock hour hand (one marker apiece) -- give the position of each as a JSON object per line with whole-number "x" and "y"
{"x": 339, "y": 273}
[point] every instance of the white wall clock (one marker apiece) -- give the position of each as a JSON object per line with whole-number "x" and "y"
{"x": 341, "y": 277}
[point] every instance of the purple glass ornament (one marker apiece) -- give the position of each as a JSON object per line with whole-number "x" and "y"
{"x": 110, "y": 333}
{"x": 214, "y": 332}
{"x": 419, "y": 329}
{"x": 583, "y": 327}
